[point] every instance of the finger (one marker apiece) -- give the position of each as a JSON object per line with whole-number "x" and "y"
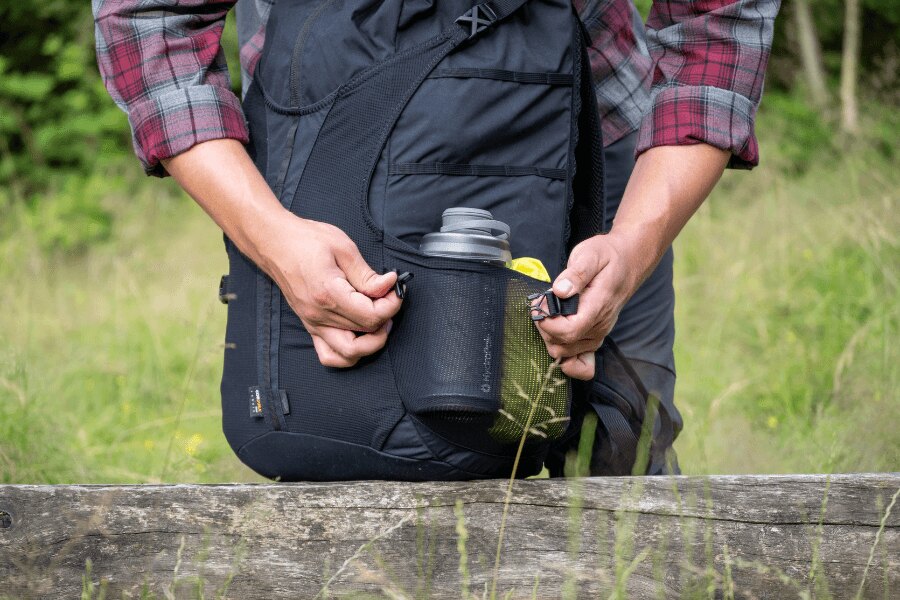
{"x": 364, "y": 313}
{"x": 593, "y": 305}
{"x": 583, "y": 265}
{"x": 567, "y": 331}
{"x": 351, "y": 347}
{"x": 327, "y": 355}
{"x": 580, "y": 347}
{"x": 330, "y": 319}
{"x": 579, "y": 367}
{"x": 564, "y": 329}
{"x": 361, "y": 276}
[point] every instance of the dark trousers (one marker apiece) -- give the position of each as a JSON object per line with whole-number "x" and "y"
{"x": 645, "y": 332}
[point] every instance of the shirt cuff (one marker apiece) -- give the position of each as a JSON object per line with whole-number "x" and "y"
{"x": 683, "y": 115}
{"x": 171, "y": 123}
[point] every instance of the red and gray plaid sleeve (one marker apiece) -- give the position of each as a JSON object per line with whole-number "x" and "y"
{"x": 162, "y": 63}
{"x": 709, "y": 61}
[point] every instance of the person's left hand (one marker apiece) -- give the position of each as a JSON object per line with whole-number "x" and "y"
{"x": 606, "y": 274}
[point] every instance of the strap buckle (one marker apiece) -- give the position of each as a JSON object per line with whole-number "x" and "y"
{"x": 400, "y": 284}
{"x": 478, "y": 18}
{"x": 547, "y": 304}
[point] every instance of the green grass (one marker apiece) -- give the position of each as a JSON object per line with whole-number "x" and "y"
{"x": 788, "y": 317}
{"x": 110, "y": 362}
{"x": 787, "y": 325}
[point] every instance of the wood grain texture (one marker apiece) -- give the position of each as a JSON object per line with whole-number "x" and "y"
{"x": 762, "y": 536}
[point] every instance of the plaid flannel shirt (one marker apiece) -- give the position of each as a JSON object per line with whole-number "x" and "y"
{"x": 693, "y": 74}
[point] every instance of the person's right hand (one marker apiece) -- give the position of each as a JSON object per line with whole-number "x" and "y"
{"x": 317, "y": 266}
{"x": 332, "y": 289}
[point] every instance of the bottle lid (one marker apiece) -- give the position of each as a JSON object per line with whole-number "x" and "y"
{"x": 469, "y": 233}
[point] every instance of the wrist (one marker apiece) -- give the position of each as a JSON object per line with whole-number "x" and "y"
{"x": 637, "y": 250}
{"x": 267, "y": 232}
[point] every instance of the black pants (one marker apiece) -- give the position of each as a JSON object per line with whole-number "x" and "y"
{"x": 645, "y": 331}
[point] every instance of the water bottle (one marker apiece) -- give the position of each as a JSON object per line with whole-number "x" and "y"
{"x": 470, "y": 234}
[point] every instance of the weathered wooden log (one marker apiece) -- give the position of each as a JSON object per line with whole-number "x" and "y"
{"x": 724, "y": 536}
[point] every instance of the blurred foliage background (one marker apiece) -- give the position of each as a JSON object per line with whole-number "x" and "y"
{"x": 788, "y": 283}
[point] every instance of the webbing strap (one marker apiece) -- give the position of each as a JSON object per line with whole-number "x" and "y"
{"x": 662, "y": 438}
{"x": 503, "y": 8}
{"x": 485, "y": 15}
{"x": 617, "y": 426}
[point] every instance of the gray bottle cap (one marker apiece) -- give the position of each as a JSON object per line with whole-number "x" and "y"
{"x": 469, "y": 233}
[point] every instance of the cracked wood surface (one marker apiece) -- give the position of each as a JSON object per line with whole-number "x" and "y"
{"x": 767, "y": 536}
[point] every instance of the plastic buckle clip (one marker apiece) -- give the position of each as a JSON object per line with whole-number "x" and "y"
{"x": 400, "y": 284}
{"x": 547, "y": 304}
{"x": 478, "y": 18}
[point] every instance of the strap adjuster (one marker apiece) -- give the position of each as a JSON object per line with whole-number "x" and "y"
{"x": 547, "y": 304}
{"x": 400, "y": 284}
{"x": 478, "y": 18}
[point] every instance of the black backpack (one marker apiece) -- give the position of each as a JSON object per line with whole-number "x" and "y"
{"x": 375, "y": 116}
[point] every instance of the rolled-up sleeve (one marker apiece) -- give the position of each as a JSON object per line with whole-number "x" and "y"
{"x": 162, "y": 62}
{"x": 709, "y": 60}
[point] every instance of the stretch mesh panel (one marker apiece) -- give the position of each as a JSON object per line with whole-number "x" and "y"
{"x": 534, "y": 393}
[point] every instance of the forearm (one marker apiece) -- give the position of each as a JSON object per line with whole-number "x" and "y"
{"x": 667, "y": 186}
{"x": 220, "y": 176}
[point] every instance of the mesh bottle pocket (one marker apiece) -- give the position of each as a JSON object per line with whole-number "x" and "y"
{"x": 469, "y": 360}
{"x": 534, "y": 393}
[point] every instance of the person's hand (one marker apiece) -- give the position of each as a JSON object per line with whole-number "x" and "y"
{"x": 317, "y": 266}
{"x": 667, "y": 186}
{"x": 603, "y": 271}
{"x": 332, "y": 289}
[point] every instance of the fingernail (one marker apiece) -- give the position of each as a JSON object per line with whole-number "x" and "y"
{"x": 390, "y": 324}
{"x": 564, "y": 286}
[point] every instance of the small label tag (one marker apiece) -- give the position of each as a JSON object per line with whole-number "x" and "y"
{"x": 256, "y": 409}
{"x": 285, "y": 407}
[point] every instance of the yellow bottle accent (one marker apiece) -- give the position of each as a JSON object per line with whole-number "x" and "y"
{"x": 531, "y": 267}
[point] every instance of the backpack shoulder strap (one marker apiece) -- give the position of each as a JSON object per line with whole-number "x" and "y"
{"x": 588, "y": 214}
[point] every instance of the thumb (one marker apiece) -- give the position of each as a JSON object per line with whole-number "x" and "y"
{"x": 363, "y": 278}
{"x": 584, "y": 264}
